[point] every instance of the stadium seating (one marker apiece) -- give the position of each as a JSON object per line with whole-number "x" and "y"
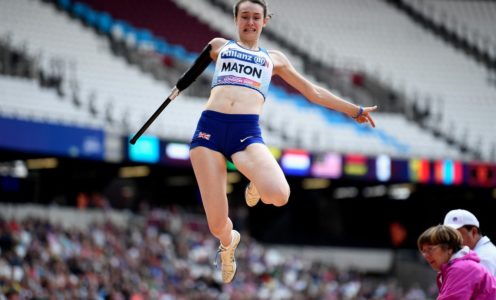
{"x": 393, "y": 137}
{"x": 167, "y": 254}
{"x": 95, "y": 64}
{"x": 27, "y": 100}
{"x": 473, "y": 20}
{"x": 401, "y": 54}
{"x": 92, "y": 64}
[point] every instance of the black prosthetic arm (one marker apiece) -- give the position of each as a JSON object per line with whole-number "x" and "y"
{"x": 200, "y": 64}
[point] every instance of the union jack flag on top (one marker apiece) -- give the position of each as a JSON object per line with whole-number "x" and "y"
{"x": 203, "y": 135}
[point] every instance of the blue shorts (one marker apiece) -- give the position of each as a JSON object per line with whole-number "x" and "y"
{"x": 226, "y": 133}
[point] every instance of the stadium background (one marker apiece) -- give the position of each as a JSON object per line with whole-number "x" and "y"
{"x": 80, "y": 77}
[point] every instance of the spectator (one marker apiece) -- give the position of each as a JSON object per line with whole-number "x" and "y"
{"x": 460, "y": 274}
{"x": 162, "y": 254}
{"x": 468, "y": 225}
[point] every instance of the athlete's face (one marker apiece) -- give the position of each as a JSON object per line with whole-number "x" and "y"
{"x": 250, "y": 20}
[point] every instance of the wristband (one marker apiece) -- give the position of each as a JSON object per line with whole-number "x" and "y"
{"x": 360, "y": 112}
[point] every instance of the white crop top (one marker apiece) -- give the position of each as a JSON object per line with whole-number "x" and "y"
{"x": 243, "y": 67}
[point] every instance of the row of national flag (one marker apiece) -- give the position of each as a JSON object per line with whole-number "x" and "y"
{"x": 298, "y": 162}
{"x": 383, "y": 168}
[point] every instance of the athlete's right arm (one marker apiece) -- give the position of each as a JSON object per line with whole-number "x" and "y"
{"x": 217, "y": 44}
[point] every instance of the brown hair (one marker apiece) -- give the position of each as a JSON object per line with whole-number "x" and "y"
{"x": 259, "y": 2}
{"x": 447, "y": 236}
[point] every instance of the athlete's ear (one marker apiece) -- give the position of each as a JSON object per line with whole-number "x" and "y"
{"x": 266, "y": 20}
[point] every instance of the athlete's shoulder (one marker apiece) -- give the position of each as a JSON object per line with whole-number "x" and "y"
{"x": 279, "y": 58}
{"x": 277, "y": 54}
{"x": 218, "y": 42}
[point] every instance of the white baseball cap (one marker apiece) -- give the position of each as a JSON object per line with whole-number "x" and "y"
{"x": 460, "y": 217}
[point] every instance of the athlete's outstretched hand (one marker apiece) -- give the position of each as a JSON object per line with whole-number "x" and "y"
{"x": 365, "y": 116}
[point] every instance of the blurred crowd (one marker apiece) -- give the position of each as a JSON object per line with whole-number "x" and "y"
{"x": 165, "y": 255}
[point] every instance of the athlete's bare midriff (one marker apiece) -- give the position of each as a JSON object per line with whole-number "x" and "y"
{"x": 230, "y": 99}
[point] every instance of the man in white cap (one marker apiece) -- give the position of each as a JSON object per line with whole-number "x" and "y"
{"x": 468, "y": 225}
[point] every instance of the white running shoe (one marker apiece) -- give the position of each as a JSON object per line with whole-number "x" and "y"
{"x": 228, "y": 266}
{"x": 251, "y": 195}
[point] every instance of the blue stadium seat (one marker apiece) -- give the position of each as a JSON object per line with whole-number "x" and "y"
{"x": 179, "y": 51}
{"x": 64, "y": 4}
{"x": 162, "y": 46}
{"x": 79, "y": 9}
{"x": 144, "y": 38}
{"x": 90, "y": 17}
{"x": 104, "y": 22}
{"x": 120, "y": 29}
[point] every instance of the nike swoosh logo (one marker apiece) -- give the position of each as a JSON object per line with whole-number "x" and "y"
{"x": 243, "y": 140}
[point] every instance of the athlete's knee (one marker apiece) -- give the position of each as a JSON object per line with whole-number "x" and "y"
{"x": 283, "y": 198}
{"x": 277, "y": 196}
{"x": 219, "y": 226}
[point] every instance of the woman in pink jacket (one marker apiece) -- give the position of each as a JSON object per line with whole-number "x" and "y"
{"x": 460, "y": 275}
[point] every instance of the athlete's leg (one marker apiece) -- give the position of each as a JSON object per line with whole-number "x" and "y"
{"x": 211, "y": 174}
{"x": 258, "y": 164}
{"x": 210, "y": 171}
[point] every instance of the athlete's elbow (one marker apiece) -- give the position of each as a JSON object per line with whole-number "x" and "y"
{"x": 315, "y": 95}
